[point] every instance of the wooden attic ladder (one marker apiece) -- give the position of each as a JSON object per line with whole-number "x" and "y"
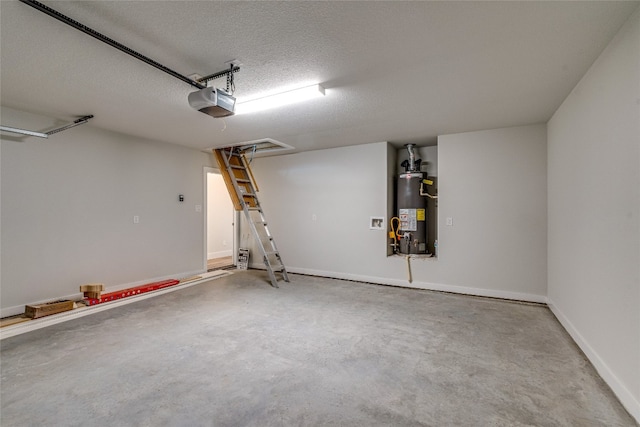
{"x": 239, "y": 180}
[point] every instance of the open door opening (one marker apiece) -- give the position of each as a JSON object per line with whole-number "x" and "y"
{"x": 220, "y": 224}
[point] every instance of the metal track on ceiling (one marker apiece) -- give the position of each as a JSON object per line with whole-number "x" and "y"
{"x": 99, "y": 36}
{"x": 80, "y": 121}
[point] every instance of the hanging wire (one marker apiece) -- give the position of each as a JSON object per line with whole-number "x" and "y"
{"x": 219, "y": 74}
{"x": 231, "y": 85}
{"x": 253, "y": 151}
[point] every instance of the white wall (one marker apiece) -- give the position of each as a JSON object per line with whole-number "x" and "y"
{"x": 493, "y": 183}
{"x": 343, "y": 188}
{"x": 219, "y": 218}
{"x": 594, "y": 214}
{"x": 68, "y": 205}
{"x": 493, "y": 186}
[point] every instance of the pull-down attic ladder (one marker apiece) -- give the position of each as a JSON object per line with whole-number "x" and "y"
{"x": 240, "y": 183}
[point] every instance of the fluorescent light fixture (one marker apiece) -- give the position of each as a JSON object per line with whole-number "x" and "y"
{"x": 279, "y": 99}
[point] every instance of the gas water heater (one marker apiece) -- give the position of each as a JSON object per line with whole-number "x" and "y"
{"x": 412, "y": 231}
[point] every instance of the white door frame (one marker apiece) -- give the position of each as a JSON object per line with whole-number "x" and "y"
{"x": 235, "y": 224}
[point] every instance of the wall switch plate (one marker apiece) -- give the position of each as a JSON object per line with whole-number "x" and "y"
{"x": 136, "y": 219}
{"x": 449, "y": 221}
{"x": 198, "y": 208}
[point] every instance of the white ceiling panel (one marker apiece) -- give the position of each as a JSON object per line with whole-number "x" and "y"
{"x": 393, "y": 71}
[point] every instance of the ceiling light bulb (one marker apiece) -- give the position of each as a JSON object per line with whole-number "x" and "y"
{"x": 279, "y": 99}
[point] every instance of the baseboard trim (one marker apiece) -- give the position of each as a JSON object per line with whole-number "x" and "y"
{"x": 19, "y": 309}
{"x": 631, "y": 404}
{"x": 32, "y": 325}
{"x": 464, "y": 290}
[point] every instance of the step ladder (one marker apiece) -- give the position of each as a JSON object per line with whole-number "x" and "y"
{"x": 243, "y": 189}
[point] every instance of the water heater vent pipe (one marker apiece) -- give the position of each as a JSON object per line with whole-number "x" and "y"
{"x": 412, "y": 157}
{"x": 411, "y": 165}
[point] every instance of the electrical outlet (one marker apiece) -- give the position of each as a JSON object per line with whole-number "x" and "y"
{"x": 198, "y": 208}
{"x": 314, "y": 217}
{"x": 449, "y": 221}
{"x": 136, "y": 219}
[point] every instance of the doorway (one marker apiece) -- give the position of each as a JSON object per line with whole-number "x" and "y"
{"x": 220, "y": 223}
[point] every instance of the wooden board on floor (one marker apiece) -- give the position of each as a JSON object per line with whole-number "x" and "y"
{"x": 219, "y": 262}
{"x": 8, "y": 321}
{"x": 48, "y": 308}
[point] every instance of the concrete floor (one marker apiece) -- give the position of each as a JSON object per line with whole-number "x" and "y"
{"x": 237, "y": 352}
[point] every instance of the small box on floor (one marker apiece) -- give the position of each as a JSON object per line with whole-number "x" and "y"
{"x": 243, "y": 259}
{"x": 41, "y": 310}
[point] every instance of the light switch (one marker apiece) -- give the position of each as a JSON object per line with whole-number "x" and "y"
{"x": 449, "y": 220}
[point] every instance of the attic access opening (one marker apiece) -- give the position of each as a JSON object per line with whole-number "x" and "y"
{"x": 259, "y": 147}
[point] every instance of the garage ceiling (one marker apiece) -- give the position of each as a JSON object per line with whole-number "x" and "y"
{"x": 393, "y": 71}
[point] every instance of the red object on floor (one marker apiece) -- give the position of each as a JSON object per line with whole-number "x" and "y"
{"x": 112, "y": 296}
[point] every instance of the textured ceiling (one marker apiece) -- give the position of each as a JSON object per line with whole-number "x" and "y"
{"x": 393, "y": 71}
